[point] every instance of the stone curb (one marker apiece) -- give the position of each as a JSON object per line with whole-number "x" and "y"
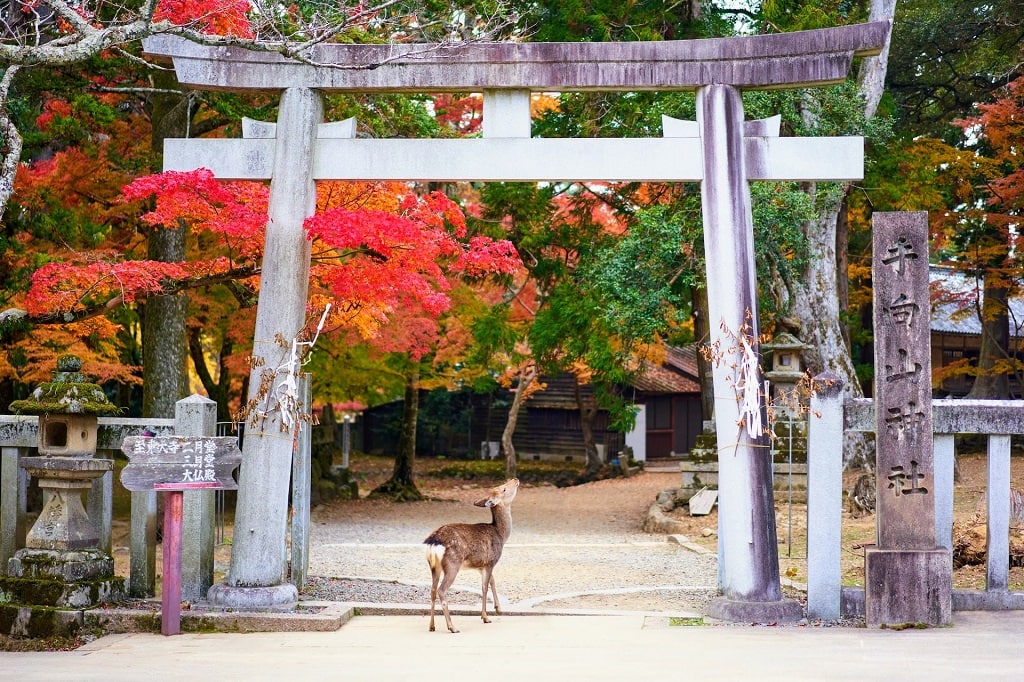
{"x": 329, "y": 616}
{"x": 658, "y": 522}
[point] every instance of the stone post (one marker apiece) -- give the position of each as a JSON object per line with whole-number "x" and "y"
{"x": 908, "y": 579}
{"x": 142, "y": 545}
{"x": 747, "y": 546}
{"x": 824, "y": 495}
{"x": 12, "y": 503}
{"x": 100, "y": 506}
{"x": 301, "y": 482}
{"x": 255, "y": 578}
{"x": 196, "y": 415}
{"x": 997, "y": 508}
{"x": 944, "y": 447}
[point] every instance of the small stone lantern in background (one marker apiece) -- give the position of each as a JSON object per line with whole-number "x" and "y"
{"x": 349, "y": 411}
{"x": 62, "y": 545}
{"x": 786, "y": 372}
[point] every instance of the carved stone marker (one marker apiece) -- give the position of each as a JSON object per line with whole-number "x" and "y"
{"x": 907, "y": 578}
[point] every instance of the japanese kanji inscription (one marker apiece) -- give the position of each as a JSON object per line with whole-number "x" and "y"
{"x": 906, "y": 514}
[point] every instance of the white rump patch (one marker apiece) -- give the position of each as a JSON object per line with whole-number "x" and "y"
{"x": 435, "y": 553}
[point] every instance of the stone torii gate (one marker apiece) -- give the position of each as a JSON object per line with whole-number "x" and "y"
{"x": 719, "y": 150}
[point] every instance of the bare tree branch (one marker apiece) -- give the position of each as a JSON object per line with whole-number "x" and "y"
{"x": 11, "y": 138}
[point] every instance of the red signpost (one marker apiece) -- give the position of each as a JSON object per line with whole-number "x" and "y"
{"x": 173, "y": 465}
{"x": 170, "y": 600}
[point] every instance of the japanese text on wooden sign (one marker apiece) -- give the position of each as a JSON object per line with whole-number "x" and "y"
{"x": 180, "y": 463}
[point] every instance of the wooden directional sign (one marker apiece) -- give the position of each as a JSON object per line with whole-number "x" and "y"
{"x": 180, "y": 463}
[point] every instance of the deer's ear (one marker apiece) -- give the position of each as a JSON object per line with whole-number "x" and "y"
{"x": 488, "y": 502}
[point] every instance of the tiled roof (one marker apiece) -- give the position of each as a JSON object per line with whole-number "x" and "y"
{"x": 658, "y": 379}
{"x": 683, "y": 358}
{"x": 950, "y": 316}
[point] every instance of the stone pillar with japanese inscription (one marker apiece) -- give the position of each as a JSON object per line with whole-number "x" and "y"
{"x": 908, "y": 579}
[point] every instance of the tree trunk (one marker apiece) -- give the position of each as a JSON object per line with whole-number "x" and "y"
{"x": 992, "y": 382}
{"x": 219, "y": 390}
{"x": 871, "y": 78}
{"x": 814, "y": 301}
{"x": 843, "y": 266}
{"x": 401, "y": 487}
{"x": 527, "y": 375}
{"x": 813, "y": 305}
{"x": 588, "y": 410}
{"x": 701, "y": 334}
{"x": 164, "y": 346}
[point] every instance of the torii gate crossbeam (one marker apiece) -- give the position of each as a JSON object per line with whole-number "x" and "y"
{"x": 720, "y": 150}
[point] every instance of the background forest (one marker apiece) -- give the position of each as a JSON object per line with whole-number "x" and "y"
{"x": 152, "y": 278}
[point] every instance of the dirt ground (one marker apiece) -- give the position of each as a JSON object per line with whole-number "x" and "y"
{"x": 859, "y": 531}
{"x": 624, "y": 503}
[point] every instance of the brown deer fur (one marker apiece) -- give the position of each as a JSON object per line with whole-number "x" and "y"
{"x": 474, "y": 545}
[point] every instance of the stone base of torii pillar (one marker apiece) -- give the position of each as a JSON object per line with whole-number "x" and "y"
{"x": 728, "y": 610}
{"x": 281, "y": 597}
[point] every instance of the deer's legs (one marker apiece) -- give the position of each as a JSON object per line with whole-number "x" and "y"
{"x": 435, "y": 576}
{"x": 487, "y": 578}
{"x": 494, "y": 594}
{"x": 449, "y": 577}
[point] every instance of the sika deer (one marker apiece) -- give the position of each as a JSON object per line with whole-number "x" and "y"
{"x": 475, "y": 545}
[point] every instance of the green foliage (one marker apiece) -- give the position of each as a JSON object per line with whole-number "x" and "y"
{"x": 780, "y": 246}
{"x": 343, "y": 370}
{"x": 605, "y": 20}
{"x": 833, "y": 111}
{"x": 946, "y": 56}
{"x": 610, "y": 114}
{"x": 385, "y": 115}
{"x": 640, "y": 278}
{"x": 806, "y": 15}
{"x": 486, "y": 471}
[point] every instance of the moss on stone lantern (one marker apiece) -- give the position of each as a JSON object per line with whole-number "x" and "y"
{"x": 68, "y": 407}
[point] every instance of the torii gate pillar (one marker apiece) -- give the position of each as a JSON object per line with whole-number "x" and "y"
{"x": 747, "y": 545}
{"x": 256, "y": 575}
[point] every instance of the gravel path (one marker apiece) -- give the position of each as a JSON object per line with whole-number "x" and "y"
{"x": 579, "y": 547}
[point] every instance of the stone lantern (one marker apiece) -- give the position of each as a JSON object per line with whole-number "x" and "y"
{"x": 786, "y": 372}
{"x": 349, "y": 412}
{"x": 62, "y": 545}
{"x": 789, "y": 446}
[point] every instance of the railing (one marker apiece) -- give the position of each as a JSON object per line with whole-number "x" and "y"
{"x": 203, "y": 517}
{"x": 18, "y": 438}
{"x": 830, "y": 418}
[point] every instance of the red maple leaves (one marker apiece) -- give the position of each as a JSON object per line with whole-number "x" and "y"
{"x": 382, "y": 261}
{"x": 215, "y": 17}
{"x": 237, "y": 211}
{"x": 370, "y": 262}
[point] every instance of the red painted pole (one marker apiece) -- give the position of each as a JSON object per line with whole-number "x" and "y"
{"x": 170, "y": 622}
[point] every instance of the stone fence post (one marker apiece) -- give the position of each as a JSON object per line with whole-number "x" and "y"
{"x": 13, "y": 503}
{"x": 196, "y": 415}
{"x": 824, "y": 497}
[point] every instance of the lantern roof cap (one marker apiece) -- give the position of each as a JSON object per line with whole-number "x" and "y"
{"x": 69, "y": 392}
{"x": 785, "y": 341}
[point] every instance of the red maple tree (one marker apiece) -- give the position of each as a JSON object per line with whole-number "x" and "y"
{"x": 370, "y": 262}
